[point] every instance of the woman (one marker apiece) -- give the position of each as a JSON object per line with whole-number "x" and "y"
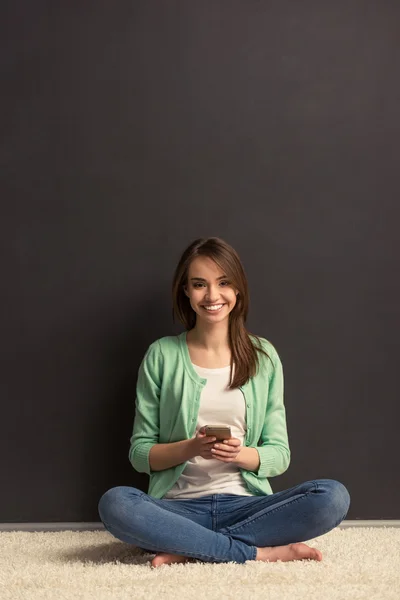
{"x": 209, "y": 499}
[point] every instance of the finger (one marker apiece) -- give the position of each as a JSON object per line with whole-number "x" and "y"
{"x": 207, "y": 439}
{"x": 206, "y": 444}
{"x": 224, "y": 453}
{"x": 207, "y": 447}
{"x": 226, "y": 447}
{"x": 232, "y": 442}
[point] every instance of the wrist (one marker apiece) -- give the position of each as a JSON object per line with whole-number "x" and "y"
{"x": 248, "y": 459}
{"x": 189, "y": 449}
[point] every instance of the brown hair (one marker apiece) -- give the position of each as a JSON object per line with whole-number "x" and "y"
{"x": 243, "y": 350}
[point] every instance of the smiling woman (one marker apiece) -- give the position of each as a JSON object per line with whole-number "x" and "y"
{"x": 217, "y": 495}
{"x": 210, "y": 297}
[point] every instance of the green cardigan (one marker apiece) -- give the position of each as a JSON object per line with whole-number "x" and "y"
{"x": 167, "y": 404}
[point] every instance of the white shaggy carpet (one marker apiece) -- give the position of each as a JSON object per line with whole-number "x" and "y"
{"x": 359, "y": 563}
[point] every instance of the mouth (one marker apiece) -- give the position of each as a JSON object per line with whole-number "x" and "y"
{"x": 213, "y": 308}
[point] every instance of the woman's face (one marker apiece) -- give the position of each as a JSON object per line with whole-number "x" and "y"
{"x": 209, "y": 286}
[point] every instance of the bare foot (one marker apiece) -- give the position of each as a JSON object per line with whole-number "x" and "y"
{"x": 162, "y": 558}
{"x": 297, "y": 551}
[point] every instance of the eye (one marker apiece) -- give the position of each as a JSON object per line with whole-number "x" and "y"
{"x": 198, "y": 283}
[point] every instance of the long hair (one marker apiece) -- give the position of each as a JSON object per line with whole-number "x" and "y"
{"x": 243, "y": 349}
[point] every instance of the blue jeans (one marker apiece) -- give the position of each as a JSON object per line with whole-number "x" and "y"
{"x": 223, "y": 527}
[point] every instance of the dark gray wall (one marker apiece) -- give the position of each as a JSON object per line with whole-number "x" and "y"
{"x": 131, "y": 128}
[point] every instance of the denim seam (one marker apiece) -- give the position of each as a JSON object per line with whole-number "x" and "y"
{"x": 169, "y": 507}
{"x": 265, "y": 512}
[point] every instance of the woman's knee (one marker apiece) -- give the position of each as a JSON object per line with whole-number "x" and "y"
{"x": 337, "y": 498}
{"x": 114, "y": 502}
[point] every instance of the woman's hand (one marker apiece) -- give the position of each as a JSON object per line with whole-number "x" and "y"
{"x": 201, "y": 445}
{"x": 226, "y": 451}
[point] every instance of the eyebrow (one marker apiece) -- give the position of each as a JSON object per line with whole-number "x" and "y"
{"x": 201, "y": 278}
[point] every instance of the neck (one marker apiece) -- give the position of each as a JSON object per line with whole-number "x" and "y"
{"x": 211, "y": 336}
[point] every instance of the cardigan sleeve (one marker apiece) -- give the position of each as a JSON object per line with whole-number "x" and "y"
{"x": 274, "y": 450}
{"x": 146, "y": 425}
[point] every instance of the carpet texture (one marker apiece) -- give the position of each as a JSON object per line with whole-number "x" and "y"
{"x": 358, "y": 564}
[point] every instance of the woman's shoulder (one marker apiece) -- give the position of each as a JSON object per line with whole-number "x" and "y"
{"x": 167, "y": 343}
{"x": 266, "y": 345}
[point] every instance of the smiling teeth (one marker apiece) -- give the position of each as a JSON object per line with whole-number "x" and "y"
{"x": 215, "y": 307}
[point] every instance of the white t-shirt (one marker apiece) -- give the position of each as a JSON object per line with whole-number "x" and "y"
{"x": 218, "y": 406}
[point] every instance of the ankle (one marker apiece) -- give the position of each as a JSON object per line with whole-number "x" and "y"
{"x": 262, "y": 553}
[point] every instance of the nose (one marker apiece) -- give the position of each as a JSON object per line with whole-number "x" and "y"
{"x": 212, "y": 296}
